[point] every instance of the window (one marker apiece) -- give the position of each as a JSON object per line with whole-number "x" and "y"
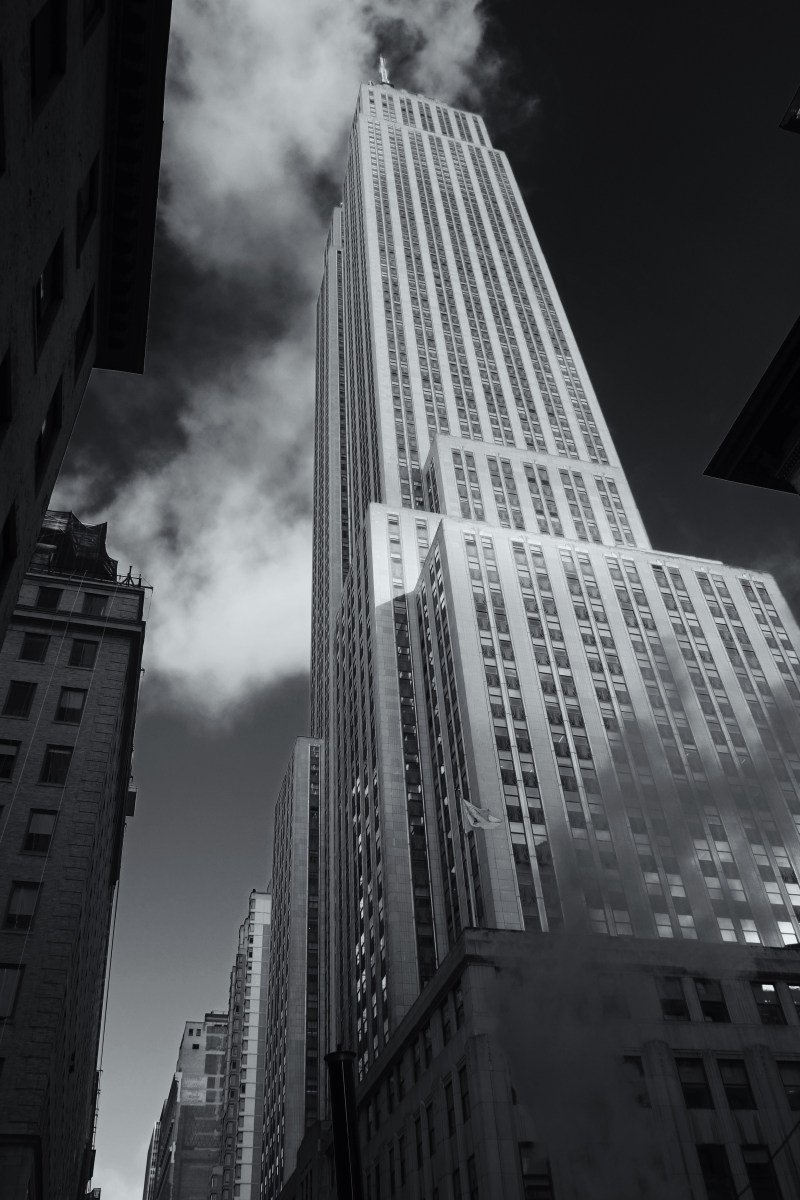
{"x": 55, "y": 764}
{"x": 49, "y": 598}
{"x": 692, "y": 1076}
{"x": 634, "y": 1069}
{"x": 463, "y": 1085}
{"x": 768, "y": 1004}
{"x": 790, "y": 1078}
{"x": 8, "y": 758}
{"x": 48, "y": 50}
{"x": 34, "y": 647}
{"x": 82, "y": 653}
{"x": 21, "y": 905}
{"x": 84, "y": 332}
{"x": 48, "y": 433}
{"x": 70, "y": 705}
{"x": 673, "y": 1002}
{"x": 10, "y": 979}
{"x": 431, "y": 1129}
{"x": 736, "y": 1084}
{"x": 760, "y": 1173}
{"x": 48, "y": 293}
{"x": 38, "y": 835}
{"x": 92, "y": 12}
{"x": 450, "y": 1106}
{"x": 418, "y": 1140}
{"x": 86, "y": 208}
{"x": 94, "y": 605}
{"x": 19, "y": 698}
{"x": 445, "y": 1014}
{"x": 716, "y": 1172}
{"x": 6, "y": 404}
{"x": 712, "y": 1001}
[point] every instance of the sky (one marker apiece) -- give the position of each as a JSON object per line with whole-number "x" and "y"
{"x": 645, "y": 140}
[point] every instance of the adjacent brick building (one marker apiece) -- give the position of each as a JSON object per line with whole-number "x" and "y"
{"x": 69, "y": 679}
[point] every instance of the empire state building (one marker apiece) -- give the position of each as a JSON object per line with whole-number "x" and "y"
{"x": 553, "y": 899}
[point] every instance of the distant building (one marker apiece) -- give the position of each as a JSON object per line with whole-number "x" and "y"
{"x": 152, "y": 1163}
{"x": 69, "y": 679}
{"x": 81, "y": 107}
{"x": 238, "y": 1171}
{"x": 293, "y": 1062}
{"x": 189, "y": 1129}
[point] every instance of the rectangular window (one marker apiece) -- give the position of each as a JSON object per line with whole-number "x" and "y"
{"x": 10, "y": 979}
{"x": 48, "y": 46}
{"x": 94, "y": 605}
{"x": 19, "y": 698}
{"x": 86, "y": 206}
{"x": 673, "y": 1001}
{"x": 450, "y": 1106}
{"x": 712, "y": 1001}
{"x": 70, "y": 705}
{"x": 55, "y": 764}
{"x": 49, "y": 598}
{"x": 418, "y": 1140}
{"x": 6, "y": 400}
{"x": 790, "y": 1078}
{"x": 463, "y": 1085}
{"x": 692, "y": 1075}
{"x": 431, "y": 1129}
{"x": 768, "y": 1004}
{"x": 84, "y": 333}
{"x": 34, "y": 647}
{"x": 8, "y": 758}
{"x": 48, "y": 433}
{"x": 716, "y": 1171}
{"x": 736, "y": 1083}
{"x": 761, "y": 1173}
{"x": 82, "y": 653}
{"x": 39, "y": 834}
{"x": 21, "y": 905}
{"x": 48, "y": 292}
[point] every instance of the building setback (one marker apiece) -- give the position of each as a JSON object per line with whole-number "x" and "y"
{"x": 69, "y": 679}
{"x": 187, "y": 1137}
{"x": 238, "y": 1169}
{"x": 293, "y": 1065}
{"x": 81, "y": 108}
{"x": 559, "y": 822}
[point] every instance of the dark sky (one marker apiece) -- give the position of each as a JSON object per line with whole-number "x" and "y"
{"x": 645, "y": 140}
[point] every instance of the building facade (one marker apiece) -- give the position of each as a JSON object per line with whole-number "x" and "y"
{"x": 238, "y": 1171}
{"x": 81, "y": 113}
{"x": 293, "y": 1063}
{"x": 186, "y": 1138}
{"x": 69, "y": 679}
{"x": 559, "y": 765}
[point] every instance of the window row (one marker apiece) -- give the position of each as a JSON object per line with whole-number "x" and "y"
{"x": 55, "y": 763}
{"x": 83, "y": 653}
{"x": 20, "y": 696}
{"x": 773, "y": 999}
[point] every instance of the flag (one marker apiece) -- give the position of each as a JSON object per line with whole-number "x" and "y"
{"x": 479, "y": 818}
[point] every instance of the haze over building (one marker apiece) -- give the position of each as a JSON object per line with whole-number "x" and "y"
{"x": 69, "y": 682}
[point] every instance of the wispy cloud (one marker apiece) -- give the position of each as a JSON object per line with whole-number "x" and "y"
{"x": 203, "y": 468}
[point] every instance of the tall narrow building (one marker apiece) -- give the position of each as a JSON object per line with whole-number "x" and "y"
{"x": 559, "y": 830}
{"x": 69, "y": 681}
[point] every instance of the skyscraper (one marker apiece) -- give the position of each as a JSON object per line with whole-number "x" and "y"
{"x": 560, "y": 816}
{"x": 69, "y": 683}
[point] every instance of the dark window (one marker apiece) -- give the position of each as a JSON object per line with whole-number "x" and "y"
{"x": 21, "y": 905}
{"x": 458, "y": 1001}
{"x": 673, "y": 1001}
{"x": 8, "y": 541}
{"x": 450, "y": 1106}
{"x": 82, "y": 653}
{"x": 55, "y": 764}
{"x": 790, "y": 1078}
{"x": 716, "y": 1172}
{"x": 431, "y": 1129}
{"x": 48, "y": 433}
{"x": 48, "y": 292}
{"x": 94, "y": 605}
{"x": 10, "y": 979}
{"x": 8, "y": 758}
{"x": 19, "y": 698}
{"x": 712, "y": 1001}
{"x": 768, "y": 1004}
{"x": 70, "y": 705}
{"x": 39, "y": 834}
{"x": 634, "y": 1069}
{"x": 445, "y": 1015}
{"x": 86, "y": 206}
{"x": 34, "y": 647}
{"x": 48, "y": 50}
{"x": 84, "y": 333}
{"x": 761, "y": 1173}
{"x": 6, "y": 403}
{"x": 736, "y": 1083}
{"x": 427, "y": 1042}
{"x": 418, "y": 1139}
{"x": 49, "y": 598}
{"x": 463, "y": 1085}
{"x": 692, "y": 1074}
{"x": 92, "y": 12}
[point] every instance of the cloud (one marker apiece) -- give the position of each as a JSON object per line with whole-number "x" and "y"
{"x": 203, "y": 467}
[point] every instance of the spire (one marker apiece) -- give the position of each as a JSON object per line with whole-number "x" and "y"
{"x": 384, "y": 73}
